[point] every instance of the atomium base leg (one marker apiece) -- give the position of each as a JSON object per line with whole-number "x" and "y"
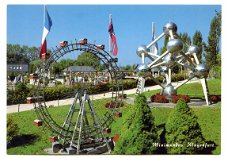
{"x": 205, "y": 90}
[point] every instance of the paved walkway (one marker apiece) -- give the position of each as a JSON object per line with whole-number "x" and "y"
{"x": 25, "y": 107}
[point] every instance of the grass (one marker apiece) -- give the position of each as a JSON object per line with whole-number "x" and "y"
{"x": 33, "y": 140}
{"x": 208, "y": 118}
{"x": 194, "y": 89}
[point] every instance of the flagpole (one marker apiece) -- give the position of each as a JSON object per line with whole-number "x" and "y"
{"x": 110, "y": 18}
{"x": 153, "y": 35}
{"x": 44, "y": 13}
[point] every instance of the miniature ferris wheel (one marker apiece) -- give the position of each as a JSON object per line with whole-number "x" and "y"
{"x": 82, "y": 131}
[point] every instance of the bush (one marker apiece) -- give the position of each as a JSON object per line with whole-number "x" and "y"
{"x": 18, "y": 95}
{"x": 215, "y": 98}
{"x": 175, "y": 98}
{"x": 114, "y": 104}
{"x": 182, "y": 128}
{"x": 158, "y": 98}
{"x": 129, "y": 84}
{"x": 215, "y": 72}
{"x": 138, "y": 132}
{"x": 178, "y": 77}
{"x": 123, "y": 96}
{"x": 12, "y": 129}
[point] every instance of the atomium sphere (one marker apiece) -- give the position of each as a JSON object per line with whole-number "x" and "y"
{"x": 174, "y": 45}
{"x": 143, "y": 67}
{"x": 201, "y": 71}
{"x": 169, "y": 60}
{"x": 193, "y": 49}
{"x": 142, "y": 49}
{"x": 169, "y": 91}
{"x": 170, "y": 26}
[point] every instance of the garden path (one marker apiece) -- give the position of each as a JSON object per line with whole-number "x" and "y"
{"x": 25, "y": 107}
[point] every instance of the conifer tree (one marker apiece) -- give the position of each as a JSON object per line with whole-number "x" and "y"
{"x": 212, "y": 48}
{"x": 182, "y": 128}
{"x": 198, "y": 40}
{"x": 139, "y": 131}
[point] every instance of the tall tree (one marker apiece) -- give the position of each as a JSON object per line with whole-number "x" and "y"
{"x": 32, "y": 53}
{"x": 15, "y": 54}
{"x": 22, "y": 54}
{"x": 198, "y": 40}
{"x": 213, "y": 46}
{"x": 58, "y": 67}
{"x": 88, "y": 59}
{"x": 186, "y": 41}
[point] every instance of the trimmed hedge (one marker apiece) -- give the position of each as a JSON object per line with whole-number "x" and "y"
{"x": 22, "y": 91}
{"x": 18, "y": 95}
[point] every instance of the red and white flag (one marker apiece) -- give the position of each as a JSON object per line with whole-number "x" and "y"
{"x": 46, "y": 30}
{"x": 114, "y": 47}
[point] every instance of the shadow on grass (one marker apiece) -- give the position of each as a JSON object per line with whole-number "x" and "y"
{"x": 22, "y": 140}
{"x": 209, "y": 150}
{"x": 162, "y": 150}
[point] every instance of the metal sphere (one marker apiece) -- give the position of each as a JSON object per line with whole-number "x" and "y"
{"x": 174, "y": 45}
{"x": 201, "y": 71}
{"x": 169, "y": 60}
{"x": 143, "y": 67}
{"x": 170, "y": 26}
{"x": 142, "y": 49}
{"x": 169, "y": 91}
{"x": 193, "y": 49}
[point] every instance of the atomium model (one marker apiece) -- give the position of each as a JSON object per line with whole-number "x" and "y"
{"x": 77, "y": 134}
{"x": 173, "y": 56}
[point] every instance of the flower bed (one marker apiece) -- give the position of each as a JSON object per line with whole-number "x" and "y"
{"x": 158, "y": 98}
{"x": 215, "y": 98}
{"x": 175, "y": 98}
{"x": 114, "y": 104}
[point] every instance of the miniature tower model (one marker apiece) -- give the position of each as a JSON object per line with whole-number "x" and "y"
{"x": 173, "y": 56}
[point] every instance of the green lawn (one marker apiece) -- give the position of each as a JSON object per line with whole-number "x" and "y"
{"x": 208, "y": 118}
{"x": 194, "y": 89}
{"x": 35, "y": 139}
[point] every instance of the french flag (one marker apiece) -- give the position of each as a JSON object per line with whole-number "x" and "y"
{"x": 113, "y": 38}
{"x": 46, "y": 30}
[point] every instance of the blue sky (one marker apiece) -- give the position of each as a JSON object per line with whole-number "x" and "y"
{"x": 132, "y": 24}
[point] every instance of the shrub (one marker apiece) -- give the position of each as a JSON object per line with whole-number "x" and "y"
{"x": 158, "y": 98}
{"x": 129, "y": 84}
{"x": 215, "y": 72}
{"x": 182, "y": 128}
{"x": 12, "y": 128}
{"x": 215, "y": 98}
{"x": 138, "y": 132}
{"x": 123, "y": 96}
{"x": 114, "y": 104}
{"x": 18, "y": 95}
{"x": 178, "y": 77}
{"x": 175, "y": 98}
